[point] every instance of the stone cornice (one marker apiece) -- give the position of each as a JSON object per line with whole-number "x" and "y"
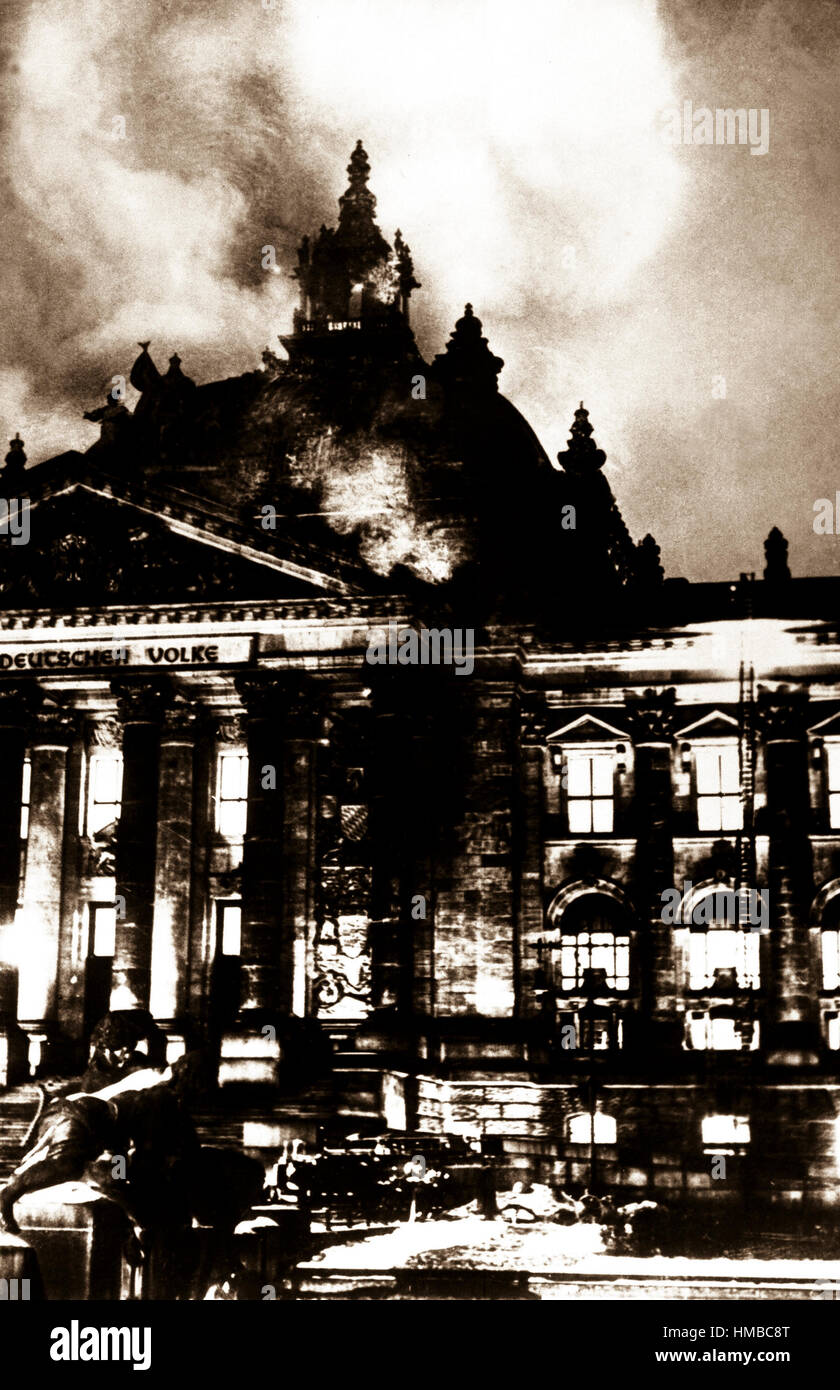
{"x": 239, "y": 611}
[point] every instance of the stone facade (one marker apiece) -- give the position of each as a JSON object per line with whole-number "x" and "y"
{"x": 404, "y": 893}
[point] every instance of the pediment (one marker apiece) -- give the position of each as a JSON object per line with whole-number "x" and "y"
{"x": 90, "y": 545}
{"x": 827, "y": 728}
{"x": 713, "y": 725}
{"x": 587, "y": 728}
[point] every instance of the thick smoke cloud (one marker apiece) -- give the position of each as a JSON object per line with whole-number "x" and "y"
{"x": 519, "y": 149}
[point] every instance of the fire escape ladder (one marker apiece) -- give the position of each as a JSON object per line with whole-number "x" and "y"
{"x": 746, "y": 766}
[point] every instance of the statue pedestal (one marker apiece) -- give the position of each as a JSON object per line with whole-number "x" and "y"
{"x": 78, "y": 1238}
{"x": 20, "y": 1277}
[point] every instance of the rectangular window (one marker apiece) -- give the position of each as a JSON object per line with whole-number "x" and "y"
{"x": 718, "y": 788}
{"x": 25, "y": 794}
{"x": 578, "y": 1030}
{"x": 105, "y": 772}
{"x": 590, "y": 793}
{"x": 832, "y": 751}
{"x": 232, "y": 795}
{"x": 731, "y": 1034}
{"x": 832, "y": 1032}
{"x": 229, "y": 926}
{"x": 103, "y": 929}
{"x": 726, "y": 1129}
{"x": 581, "y": 1127}
{"x": 723, "y": 957}
{"x": 830, "y": 944}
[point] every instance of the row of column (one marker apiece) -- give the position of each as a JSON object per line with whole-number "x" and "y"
{"x": 155, "y": 860}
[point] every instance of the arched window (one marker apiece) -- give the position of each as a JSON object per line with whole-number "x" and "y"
{"x": 594, "y": 936}
{"x": 723, "y": 950}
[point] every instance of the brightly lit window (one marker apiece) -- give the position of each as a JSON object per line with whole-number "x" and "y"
{"x": 593, "y": 936}
{"x": 723, "y": 957}
{"x": 830, "y": 950}
{"x": 726, "y": 1129}
{"x": 832, "y": 1031}
{"x": 229, "y": 919}
{"x": 25, "y": 794}
{"x": 232, "y": 795}
{"x": 105, "y": 771}
{"x": 590, "y": 792}
{"x": 832, "y": 764}
{"x": 724, "y": 1034}
{"x": 718, "y": 787}
{"x": 580, "y": 1128}
{"x": 103, "y": 929}
{"x": 589, "y": 1032}
{"x": 596, "y": 951}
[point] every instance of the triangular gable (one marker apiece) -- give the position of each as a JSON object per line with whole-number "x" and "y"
{"x": 204, "y": 523}
{"x": 714, "y": 725}
{"x": 587, "y": 728}
{"x": 827, "y": 727}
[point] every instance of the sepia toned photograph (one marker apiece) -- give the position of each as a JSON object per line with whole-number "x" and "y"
{"x": 420, "y": 661}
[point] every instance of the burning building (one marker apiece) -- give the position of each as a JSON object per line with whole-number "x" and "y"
{"x": 393, "y": 892}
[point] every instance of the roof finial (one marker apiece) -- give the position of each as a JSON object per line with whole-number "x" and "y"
{"x": 468, "y": 360}
{"x": 15, "y": 463}
{"x": 582, "y": 452}
{"x": 776, "y": 553}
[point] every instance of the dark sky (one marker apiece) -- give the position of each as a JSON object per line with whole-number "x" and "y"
{"x": 519, "y": 147}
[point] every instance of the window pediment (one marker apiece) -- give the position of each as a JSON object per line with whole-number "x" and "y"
{"x": 588, "y": 728}
{"x": 712, "y": 726}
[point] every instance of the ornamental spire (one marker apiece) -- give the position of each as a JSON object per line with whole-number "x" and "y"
{"x": 12, "y": 475}
{"x": 357, "y": 230}
{"x": 582, "y": 454}
{"x": 776, "y": 553}
{"x": 468, "y": 360}
{"x": 15, "y": 458}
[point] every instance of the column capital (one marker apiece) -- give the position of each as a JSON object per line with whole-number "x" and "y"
{"x": 53, "y": 728}
{"x": 292, "y": 698}
{"x": 141, "y": 701}
{"x": 19, "y": 701}
{"x": 183, "y": 721}
{"x": 652, "y": 715}
{"x": 782, "y": 714}
{"x": 533, "y": 718}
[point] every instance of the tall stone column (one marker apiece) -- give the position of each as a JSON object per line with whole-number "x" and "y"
{"x": 304, "y": 729}
{"x": 18, "y": 701}
{"x": 140, "y": 706}
{"x": 50, "y": 739}
{"x": 398, "y": 875}
{"x": 266, "y": 950}
{"x": 652, "y": 720}
{"x": 180, "y": 730}
{"x": 277, "y": 879}
{"x": 792, "y": 1031}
